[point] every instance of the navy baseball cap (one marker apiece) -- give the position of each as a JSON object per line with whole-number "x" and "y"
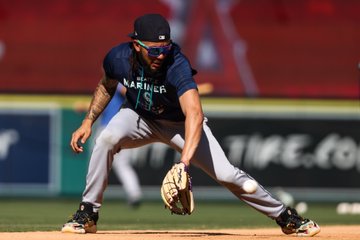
{"x": 152, "y": 28}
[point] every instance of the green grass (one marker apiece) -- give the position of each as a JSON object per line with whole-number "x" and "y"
{"x": 50, "y": 214}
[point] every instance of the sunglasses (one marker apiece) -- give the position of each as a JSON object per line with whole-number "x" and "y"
{"x": 155, "y": 51}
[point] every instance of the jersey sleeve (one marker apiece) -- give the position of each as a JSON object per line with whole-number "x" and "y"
{"x": 181, "y": 76}
{"x": 108, "y": 65}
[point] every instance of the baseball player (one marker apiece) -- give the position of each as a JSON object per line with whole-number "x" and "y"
{"x": 162, "y": 105}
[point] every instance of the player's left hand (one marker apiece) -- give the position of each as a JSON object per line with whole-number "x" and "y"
{"x": 176, "y": 190}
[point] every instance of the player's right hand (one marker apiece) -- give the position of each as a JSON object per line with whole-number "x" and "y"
{"x": 80, "y": 136}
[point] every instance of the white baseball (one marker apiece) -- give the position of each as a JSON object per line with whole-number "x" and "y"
{"x": 250, "y": 186}
{"x": 301, "y": 207}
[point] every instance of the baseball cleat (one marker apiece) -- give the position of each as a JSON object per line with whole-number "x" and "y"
{"x": 83, "y": 221}
{"x": 291, "y": 223}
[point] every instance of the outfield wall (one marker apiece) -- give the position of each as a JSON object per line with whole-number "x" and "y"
{"x": 309, "y": 148}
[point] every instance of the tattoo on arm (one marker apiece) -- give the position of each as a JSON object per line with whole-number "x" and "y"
{"x": 102, "y": 96}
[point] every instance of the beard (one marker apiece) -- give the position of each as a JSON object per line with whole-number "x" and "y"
{"x": 152, "y": 73}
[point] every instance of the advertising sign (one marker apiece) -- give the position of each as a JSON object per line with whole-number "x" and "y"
{"x": 28, "y": 153}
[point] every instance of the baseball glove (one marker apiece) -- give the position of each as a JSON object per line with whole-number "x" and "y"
{"x": 176, "y": 190}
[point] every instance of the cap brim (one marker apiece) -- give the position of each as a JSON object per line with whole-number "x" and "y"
{"x": 132, "y": 35}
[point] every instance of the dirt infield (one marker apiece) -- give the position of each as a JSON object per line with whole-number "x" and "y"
{"x": 327, "y": 232}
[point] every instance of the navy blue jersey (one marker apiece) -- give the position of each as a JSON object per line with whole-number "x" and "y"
{"x": 152, "y": 96}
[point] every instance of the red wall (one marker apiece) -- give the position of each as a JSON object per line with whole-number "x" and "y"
{"x": 257, "y": 48}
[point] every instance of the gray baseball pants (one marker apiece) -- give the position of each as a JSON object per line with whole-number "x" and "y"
{"x": 128, "y": 130}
